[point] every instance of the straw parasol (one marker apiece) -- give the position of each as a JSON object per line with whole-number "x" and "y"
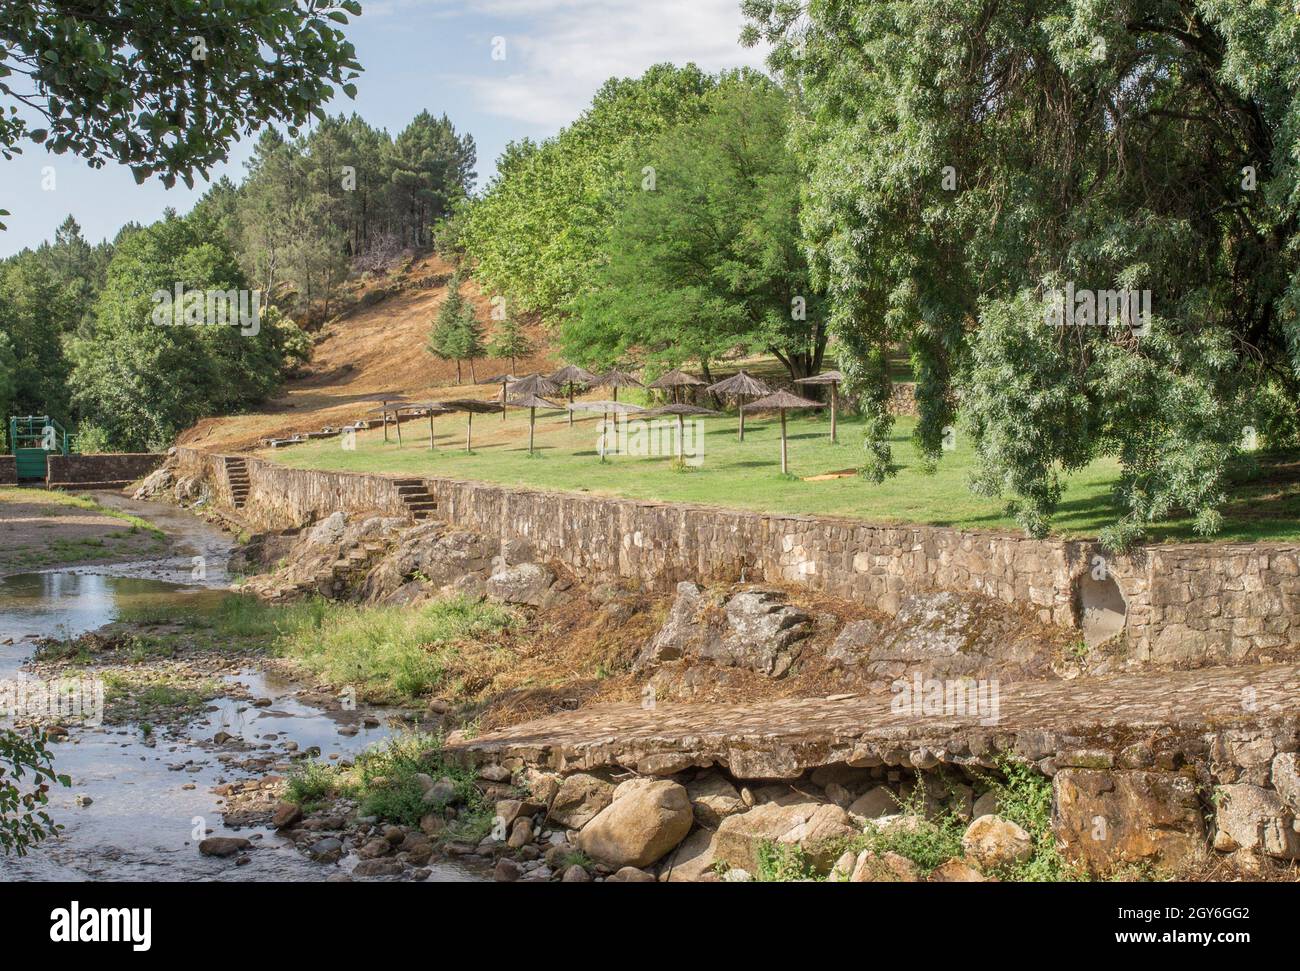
{"x": 532, "y": 384}
{"x": 471, "y": 407}
{"x": 681, "y": 411}
{"x": 386, "y": 398}
{"x": 503, "y": 380}
{"x": 781, "y": 401}
{"x": 605, "y": 407}
{"x": 532, "y": 402}
{"x": 614, "y": 378}
{"x": 833, "y": 378}
{"x": 429, "y": 408}
{"x": 567, "y": 377}
{"x": 741, "y": 385}
{"x": 676, "y": 379}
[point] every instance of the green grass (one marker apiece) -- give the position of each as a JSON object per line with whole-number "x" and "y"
{"x": 384, "y": 782}
{"x": 1265, "y": 506}
{"x": 388, "y": 654}
{"x": 54, "y": 498}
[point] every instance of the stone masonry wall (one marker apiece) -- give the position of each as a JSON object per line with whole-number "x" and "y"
{"x": 99, "y": 469}
{"x": 1186, "y": 605}
{"x": 8, "y": 470}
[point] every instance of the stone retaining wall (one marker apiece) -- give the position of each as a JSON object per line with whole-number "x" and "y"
{"x": 99, "y": 470}
{"x": 8, "y": 470}
{"x": 1183, "y": 606}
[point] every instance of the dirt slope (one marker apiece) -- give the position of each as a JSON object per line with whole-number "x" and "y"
{"x": 379, "y": 346}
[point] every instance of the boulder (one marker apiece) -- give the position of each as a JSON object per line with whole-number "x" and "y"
{"x": 992, "y": 842}
{"x": 955, "y": 871}
{"x": 713, "y": 799}
{"x": 1286, "y": 779}
{"x": 754, "y": 629}
{"x": 508, "y": 810}
{"x": 630, "y": 874}
{"x": 286, "y": 814}
{"x": 885, "y": 867}
{"x": 875, "y": 803}
{"x": 378, "y": 868}
{"x": 223, "y": 845}
{"x": 526, "y": 583}
{"x": 853, "y": 644}
{"x": 580, "y": 797}
{"x": 506, "y": 870}
{"x": 575, "y": 874}
{"x": 327, "y": 850}
{"x": 1254, "y": 819}
{"x": 646, "y": 819}
{"x": 1103, "y": 818}
{"x": 692, "y": 860}
{"x": 808, "y": 824}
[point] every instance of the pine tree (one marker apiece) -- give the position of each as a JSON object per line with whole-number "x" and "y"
{"x": 471, "y": 338}
{"x": 509, "y": 340}
{"x": 456, "y": 334}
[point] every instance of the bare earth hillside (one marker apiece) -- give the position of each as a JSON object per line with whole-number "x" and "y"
{"x": 378, "y": 346}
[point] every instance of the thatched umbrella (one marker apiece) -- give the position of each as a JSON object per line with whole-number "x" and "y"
{"x": 532, "y": 402}
{"x": 567, "y": 377}
{"x": 605, "y": 407}
{"x": 741, "y": 385}
{"x": 681, "y": 411}
{"x": 429, "y": 408}
{"x": 676, "y": 379}
{"x": 614, "y": 378}
{"x": 833, "y": 378}
{"x": 503, "y": 380}
{"x": 532, "y": 384}
{"x": 781, "y": 401}
{"x": 471, "y": 407}
{"x": 386, "y": 398}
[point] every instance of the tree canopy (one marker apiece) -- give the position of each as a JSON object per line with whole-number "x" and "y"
{"x": 966, "y": 158}
{"x": 706, "y": 255}
{"x": 166, "y": 88}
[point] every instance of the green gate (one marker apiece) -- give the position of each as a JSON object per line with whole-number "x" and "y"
{"x": 32, "y": 438}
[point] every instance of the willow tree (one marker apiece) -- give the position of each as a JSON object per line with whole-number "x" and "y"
{"x": 968, "y": 158}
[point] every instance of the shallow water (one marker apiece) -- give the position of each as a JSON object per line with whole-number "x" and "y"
{"x": 141, "y": 823}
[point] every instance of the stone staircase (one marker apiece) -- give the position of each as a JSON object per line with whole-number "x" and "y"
{"x": 237, "y": 479}
{"x": 416, "y": 498}
{"x": 331, "y": 582}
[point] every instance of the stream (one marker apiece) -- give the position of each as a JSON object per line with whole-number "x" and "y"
{"x": 137, "y": 801}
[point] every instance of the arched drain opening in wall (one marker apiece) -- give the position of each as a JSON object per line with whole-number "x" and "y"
{"x": 1102, "y": 609}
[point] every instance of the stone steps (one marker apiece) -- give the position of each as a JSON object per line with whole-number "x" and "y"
{"x": 415, "y": 497}
{"x": 237, "y": 479}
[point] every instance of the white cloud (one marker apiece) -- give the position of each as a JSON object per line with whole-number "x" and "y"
{"x": 559, "y": 52}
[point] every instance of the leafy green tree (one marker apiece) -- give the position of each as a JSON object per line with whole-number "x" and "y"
{"x": 509, "y": 341}
{"x": 965, "y": 159}
{"x": 707, "y": 256}
{"x": 536, "y": 232}
{"x": 166, "y": 88}
{"x": 26, "y": 773}
{"x": 142, "y": 382}
{"x": 456, "y": 334}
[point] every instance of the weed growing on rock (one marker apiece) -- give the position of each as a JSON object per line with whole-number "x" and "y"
{"x": 1024, "y": 796}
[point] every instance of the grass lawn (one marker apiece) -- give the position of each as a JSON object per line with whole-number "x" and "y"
{"x": 747, "y": 476}
{"x": 40, "y": 528}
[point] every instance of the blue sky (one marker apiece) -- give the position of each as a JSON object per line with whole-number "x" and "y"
{"x": 417, "y": 54}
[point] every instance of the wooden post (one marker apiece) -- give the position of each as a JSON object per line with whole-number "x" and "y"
{"x": 834, "y": 401}
{"x": 430, "y": 429}
{"x": 783, "y": 462}
{"x": 742, "y": 421}
{"x": 570, "y": 402}
{"x": 469, "y": 430}
{"x": 681, "y": 435}
{"x": 384, "y": 417}
{"x": 503, "y": 401}
{"x": 532, "y": 423}
{"x": 397, "y": 417}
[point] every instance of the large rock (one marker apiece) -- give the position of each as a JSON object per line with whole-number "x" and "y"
{"x": 809, "y": 825}
{"x": 754, "y": 629}
{"x": 223, "y": 845}
{"x": 580, "y": 797}
{"x": 887, "y": 867}
{"x": 854, "y": 643}
{"x": 1286, "y": 779}
{"x": 1103, "y": 819}
{"x": 526, "y": 583}
{"x": 713, "y": 799}
{"x": 647, "y": 818}
{"x": 692, "y": 860}
{"x": 1252, "y": 818}
{"x": 955, "y": 871}
{"x": 874, "y": 803}
{"x": 992, "y": 842}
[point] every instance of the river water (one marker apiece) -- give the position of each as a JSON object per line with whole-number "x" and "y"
{"x": 150, "y": 796}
